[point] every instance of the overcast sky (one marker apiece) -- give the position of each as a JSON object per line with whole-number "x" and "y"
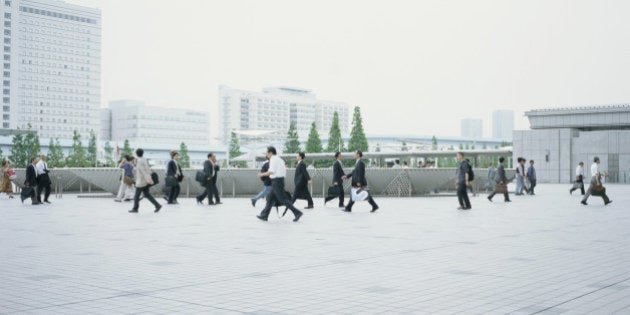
{"x": 414, "y": 67}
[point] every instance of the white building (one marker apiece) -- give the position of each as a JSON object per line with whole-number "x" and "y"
{"x": 472, "y": 128}
{"x": 51, "y": 67}
{"x": 264, "y": 117}
{"x": 169, "y": 127}
{"x": 503, "y": 124}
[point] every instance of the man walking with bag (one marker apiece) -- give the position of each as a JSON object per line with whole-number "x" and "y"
{"x": 501, "y": 183}
{"x": 208, "y": 171}
{"x": 359, "y": 181}
{"x": 277, "y": 172}
{"x": 143, "y": 183}
{"x": 336, "y": 190}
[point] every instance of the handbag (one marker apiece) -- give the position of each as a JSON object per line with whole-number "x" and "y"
{"x": 359, "y": 194}
{"x": 155, "y": 178}
{"x": 128, "y": 180}
{"x": 12, "y": 174}
{"x": 200, "y": 177}
{"x": 170, "y": 181}
{"x": 598, "y": 190}
{"x": 26, "y": 193}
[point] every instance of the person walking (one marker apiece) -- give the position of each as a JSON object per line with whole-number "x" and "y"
{"x": 596, "y": 187}
{"x": 301, "y": 180}
{"x": 277, "y": 172}
{"x": 492, "y": 174}
{"x": 531, "y": 177}
{"x": 143, "y": 183}
{"x": 359, "y": 181}
{"x": 501, "y": 183}
{"x": 579, "y": 179}
{"x": 31, "y": 181}
{"x": 208, "y": 171}
{"x": 520, "y": 177}
{"x": 214, "y": 189}
{"x": 336, "y": 190}
{"x": 126, "y": 189}
{"x": 266, "y": 184}
{"x": 174, "y": 176}
{"x": 43, "y": 180}
{"x": 462, "y": 182}
{"x": 5, "y": 182}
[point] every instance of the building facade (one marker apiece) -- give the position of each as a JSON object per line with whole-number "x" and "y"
{"x": 134, "y": 121}
{"x": 561, "y": 138}
{"x": 51, "y": 67}
{"x": 471, "y": 128}
{"x": 264, "y": 117}
{"x": 503, "y": 124}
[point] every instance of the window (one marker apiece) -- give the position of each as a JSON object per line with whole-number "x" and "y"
{"x": 6, "y": 92}
{"x": 7, "y": 3}
{"x": 7, "y": 23}
{"x": 7, "y": 74}
{"x": 6, "y": 108}
{"x": 6, "y": 83}
{"x": 6, "y": 100}
{"x": 7, "y": 32}
{"x": 6, "y": 116}
{"x": 7, "y": 15}
{"x": 7, "y": 66}
{"x": 7, "y": 49}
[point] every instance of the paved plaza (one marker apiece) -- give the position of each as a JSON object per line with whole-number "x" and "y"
{"x": 543, "y": 254}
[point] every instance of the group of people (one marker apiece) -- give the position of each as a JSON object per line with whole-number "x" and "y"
{"x": 37, "y": 181}
{"x": 596, "y": 188}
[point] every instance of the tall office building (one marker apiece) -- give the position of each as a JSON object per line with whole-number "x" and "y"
{"x": 472, "y": 128}
{"x": 503, "y": 124}
{"x": 51, "y": 67}
{"x": 264, "y": 117}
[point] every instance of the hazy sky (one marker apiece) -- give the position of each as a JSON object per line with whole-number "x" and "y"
{"x": 414, "y": 67}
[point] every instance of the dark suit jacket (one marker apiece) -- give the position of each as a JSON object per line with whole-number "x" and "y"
{"x": 358, "y": 174}
{"x": 501, "y": 175}
{"x": 338, "y": 173}
{"x": 172, "y": 170}
{"x": 31, "y": 176}
{"x": 216, "y": 172}
{"x": 208, "y": 170}
{"x": 301, "y": 175}
{"x": 266, "y": 180}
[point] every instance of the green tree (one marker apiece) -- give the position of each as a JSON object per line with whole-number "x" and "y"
{"x": 404, "y": 147}
{"x": 126, "y": 150}
{"x": 55, "y": 154}
{"x": 461, "y": 146}
{"x": 314, "y": 143}
{"x": 335, "y": 142}
{"x": 92, "y": 151}
{"x": 292, "y": 145}
{"x": 235, "y": 149}
{"x": 434, "y": 143}
{"x": 358, "y": 141}
{"x": 77, "y": 156}
{"x": 109, "y": 155}
{"x": 18, "y": 153}
{"x": 31, "y": 144}
{"x": 184, "y": 158}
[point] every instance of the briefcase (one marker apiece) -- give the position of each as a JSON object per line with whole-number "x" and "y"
{"x": 201, "y": 177}
{"x": 26, "y": 193}
{"x": 170, "y": 181}
{"x": 155, "y": 178}
{"x": 335, "y": 191}
{"x": 598, "y": 190}
{"x": 501, "y": 189}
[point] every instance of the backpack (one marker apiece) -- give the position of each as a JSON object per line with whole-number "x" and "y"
{"x": 471, "y": 174}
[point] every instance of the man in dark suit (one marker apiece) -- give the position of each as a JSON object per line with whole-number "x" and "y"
{"x": 337, "y": 180}
{"x": 31, "y": 180}
{"x": 359, "y": 181}
{"x": 215, "y": 191}
{"x": 301, "y": 181}
{"x": 208, "y": 170}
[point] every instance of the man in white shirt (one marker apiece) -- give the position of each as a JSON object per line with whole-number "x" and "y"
{"x": 277, "y": 172}
{"x": 596, "y": 184}
{"x": 41, "y": 170}
{"x": 579, "y": 179}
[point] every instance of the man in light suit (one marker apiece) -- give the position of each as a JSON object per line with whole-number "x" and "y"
{"x": 337, "y": 179}
{"x": 359, "y": 181}
{"x": 143, "y": 183}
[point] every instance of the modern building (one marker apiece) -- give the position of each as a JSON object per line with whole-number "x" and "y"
{"x": 503, "y": 124}
{"x": 560, "y": 138}
{"x": 134, "y": 121}
{"x": 264, "y": 117}
{"x": 51, "y": 67}
{"x": 471, "y": 128}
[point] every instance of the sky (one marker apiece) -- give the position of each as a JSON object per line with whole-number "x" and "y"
{"x": 414, "y": 67}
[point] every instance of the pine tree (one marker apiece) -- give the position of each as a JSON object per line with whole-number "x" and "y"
{"x": 55, "y": 156}
{"x": 335, "y": 142}
{"x": 92, "y": 151}
{"x": 434, "y": 143}
{"x": 31, "y": 144}
{"x": 18, "y": 153}
{"x": 235, "y": 149}
{"x": 292, "y": 145}
{"x": 314, "y": 143}
{"x": 109, "y": 155}
{"x": 126, "y": 150}
{"x": 404, "y": 147}
{"x": 358, "y": 141}
{"x": 77, "y": 157}
{"x": 184, "y": 158}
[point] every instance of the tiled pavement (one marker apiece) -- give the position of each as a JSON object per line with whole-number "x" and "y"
{"x": 542, "y": 254}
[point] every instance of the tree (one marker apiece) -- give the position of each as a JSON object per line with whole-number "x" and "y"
{"x": 92, "y": 151}
{"x": 404, "y": 147}
{"x": 335, "y": 142}
{"x": 77, "y": 157}
{"x": 18, "y": 154}
{"x": 235, "y": 149}
{"x": 292, "y": 145}
{"x": 461, "y": 146}
{"x": 358, "y": 141}
{"x": 109, "y": 155}
{"x": 314, "y": 143}
{"x": 184, "y": 158}
{"x": 55, "y": 154}
{"x": 434, "y": 143}
{"x": 31, "y": 144}
{"x": 126, "y": 150}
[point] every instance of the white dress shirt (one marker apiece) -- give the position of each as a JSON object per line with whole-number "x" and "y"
{"x": 276, "y": 167}
{"x": 579, "y": 171}
{"x": 594, "y": 169}
{"x": 40, "y": 168}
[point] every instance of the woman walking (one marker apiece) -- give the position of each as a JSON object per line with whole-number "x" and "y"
{"x": 126, "y": 189}
{"x": 5, "y": 181}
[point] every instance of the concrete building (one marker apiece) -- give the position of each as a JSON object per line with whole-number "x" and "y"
{"x": 560, "y": 138}
{"x": 51, "y": 67}
{"x": 471, "y": 128}
{"x": 264, "y": 117}
{"x": 503, "y": 124}
{"x": 169, "y": 127}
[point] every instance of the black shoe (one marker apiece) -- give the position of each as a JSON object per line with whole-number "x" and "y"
{"x": 606, "y": 203}
{"x": 36, "y": 203}
{"x": 461, "y": 208}
{"x": 346, "y": 210}
{"x": 469, "y": 208}
{"x": 218, "y": 203}
{"x": 199, "y": 202}
{"x": 571, "y": 192}
{"x": 298, "y": 216}
{"x": 133, "y": 211}
{"x": 157, "y": 209}
{"x": 490, "y": 199}
{"x": 165, "y": 198}
{"x": 583, "y": 202}
{"x": 374, "y": 209}
{"x": 171, "y": 203}
{"x": 261, "y": 218}
{"x": 309, "y": 207}
{"x": 253, "y": 203}
{"x": 342, "y": 207}
{"x": 176, "y": 202}
{"x": 508, "y": 200}
{"x": 48, "y": 202}
{"x": 211, "y": 203}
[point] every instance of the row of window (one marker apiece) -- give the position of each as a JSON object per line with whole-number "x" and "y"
{"x": 65, "y": 58}
{"x": 58, "y": 15}
{"x": 60, "y": 51}
{"x": 53, "y": 89}
{"x": 57, "y": 81}
{"x": 44, "y": 44}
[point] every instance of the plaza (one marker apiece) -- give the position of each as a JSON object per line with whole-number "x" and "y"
{"x": 543, "y": 254}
